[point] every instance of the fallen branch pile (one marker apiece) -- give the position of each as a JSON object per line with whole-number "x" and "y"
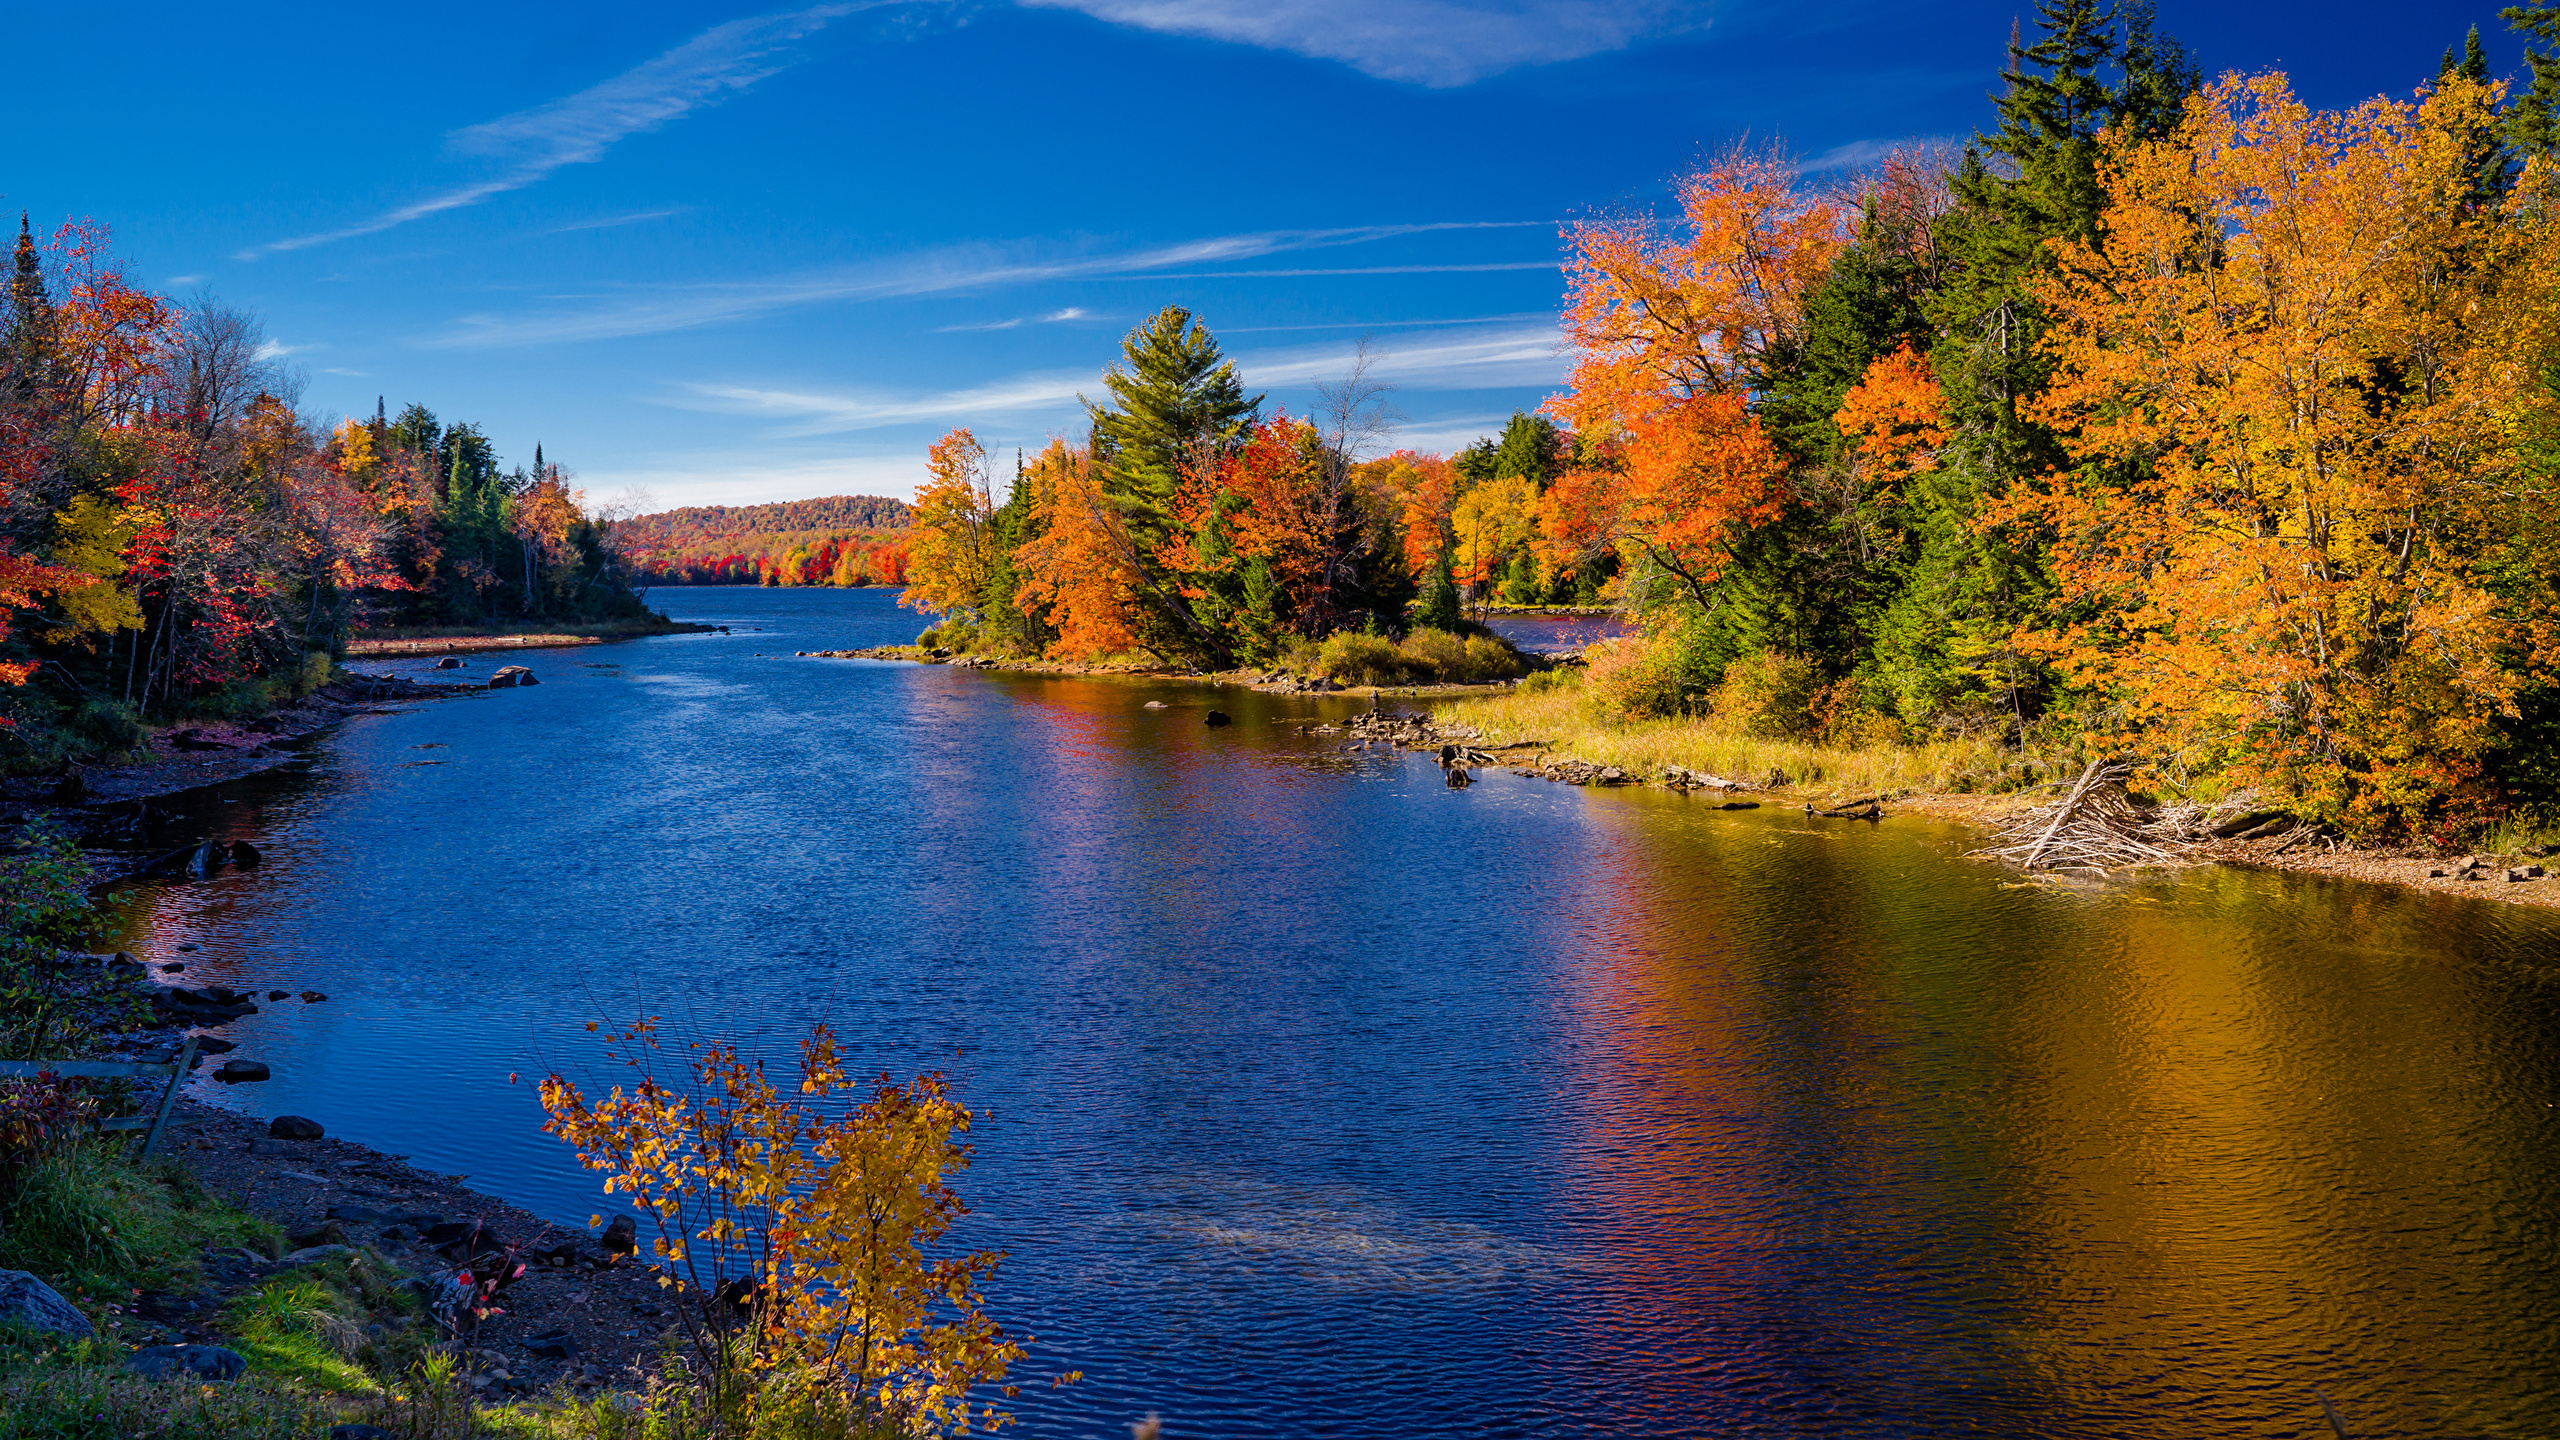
{"x": 2097, "y": 826}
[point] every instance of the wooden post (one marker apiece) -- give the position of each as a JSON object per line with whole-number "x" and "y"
{"x": 168, "y": 1098}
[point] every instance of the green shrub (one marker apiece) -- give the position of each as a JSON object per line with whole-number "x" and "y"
{"x": 1667, "y": 671}
{"x": 1351, "y": 658}
{"x": 1425, "y": 657}
{"x": 952, "y": 633}
{"x": 44, "y": 910}
{"x": 1439, "y": 607}
{"x": 1768, "y": 695}
{"x": 1562, "y": 677}
{"x": 107, "y": 727}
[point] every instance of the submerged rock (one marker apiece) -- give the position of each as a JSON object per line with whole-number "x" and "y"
{"x": 294, "y": 1127}
{"x": 1219, "y": 717}
{"x": 509, "y": 676}
{"x": 450, "y": 662}
{"x": 241, "y": 1072}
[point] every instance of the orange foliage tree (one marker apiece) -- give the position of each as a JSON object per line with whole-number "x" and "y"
{"x": 2286, "y": 383}
{"x": 1080, "y": 568}
{"x": 1673, "y": 326}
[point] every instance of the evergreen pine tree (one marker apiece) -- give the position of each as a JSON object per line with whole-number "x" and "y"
{"x": 27, "y": 298}
{"x": 1530, "y": 447}
{"x": 2530, "y": 118}
{"x": 1172, "y": 393}
{"x": 1440, "y": 608}
{"x": 2159, "y": 75}
{"x": 2484, "y": 148}
{"x": 1945, "y": 635}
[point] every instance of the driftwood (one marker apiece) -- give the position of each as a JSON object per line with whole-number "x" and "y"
{"x": 2097, "y": 826}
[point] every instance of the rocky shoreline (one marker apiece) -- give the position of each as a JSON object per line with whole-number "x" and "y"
{"x": 1266, "y": 681}
{"x": 584, "y": 1315}
{"x": 188, "y": 757}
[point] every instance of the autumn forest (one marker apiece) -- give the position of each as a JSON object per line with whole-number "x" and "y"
{"x": 2170, "y": 418}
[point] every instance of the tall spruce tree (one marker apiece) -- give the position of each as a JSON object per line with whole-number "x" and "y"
{"x": 2485, "y": 159}
{"x": 1943, "y": 641}
{"x": 1172, "y": 393}
{"x": 2531, "y": 118}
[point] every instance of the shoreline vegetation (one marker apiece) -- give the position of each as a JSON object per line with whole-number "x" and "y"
{"x": 293, "y": 1284}
{"x": 523, "y": 634}
{"x": 1930, "y": 477}
{"x": 182, "y": 545}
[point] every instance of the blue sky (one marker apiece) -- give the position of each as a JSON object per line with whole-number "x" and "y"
{"x": 723, "y": 254}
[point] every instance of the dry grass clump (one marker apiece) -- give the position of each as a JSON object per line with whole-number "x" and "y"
{"x": 1558, "y": 718}
{"x": 1425, "y": 657}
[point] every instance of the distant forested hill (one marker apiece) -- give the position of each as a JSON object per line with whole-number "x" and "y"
{"x": 839, "y": 513}
{"x": 832, "y": 540}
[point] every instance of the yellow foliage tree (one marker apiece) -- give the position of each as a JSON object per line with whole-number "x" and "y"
{"x": 797, "y": 1243}
{"x": 954, "y": 518}
{"x": 2288, "y": 380}
{"x": 1491, "y": 523}
{"x": 91, "y": 534}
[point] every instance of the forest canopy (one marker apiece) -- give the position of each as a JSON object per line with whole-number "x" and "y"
{"x": 2167, "y": 419}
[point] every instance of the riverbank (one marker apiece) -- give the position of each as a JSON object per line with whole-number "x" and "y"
{"x": 439, "y": 640}
{"x": 1980, "y": 783}
{"x": 298, "y": 1285}
{"x": 1266, "y": 680}
{"x": 191, "y": 754}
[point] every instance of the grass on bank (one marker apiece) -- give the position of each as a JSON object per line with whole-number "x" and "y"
{"x": 337, "y": 1342}
{"x": 1424, "y": 656}
{"x": 89, "y": 1221}
{"x": 1556, "y": 711}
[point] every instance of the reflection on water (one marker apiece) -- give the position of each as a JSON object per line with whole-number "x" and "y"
{"x": 1330, "y": 1101}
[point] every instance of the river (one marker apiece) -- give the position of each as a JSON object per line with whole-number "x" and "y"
{"x": 1329, "y": 1101}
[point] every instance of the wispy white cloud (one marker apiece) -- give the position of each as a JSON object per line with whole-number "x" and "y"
{"x": 805, "y": 413}
{"x": 186, "y": 279}
{"x": 1436, "y": 43}
{"x": 1358, "y": 270}
{"x": 1521, "y": 356}
{"x": 1381, "y": 326}
{"x": 1017, "y": 322}
{"x": 655, "y": 311}
{"x": 1526, "y": 355}
{"x": 277, "y": 350}
{"x": 1863, "y": 154}
{"x": 611, "y": 221}
{"x": 334, "y": 370}
{"x": 579, "y": 129}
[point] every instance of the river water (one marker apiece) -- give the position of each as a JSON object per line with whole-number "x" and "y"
{"x": 1328, "y": 1101}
